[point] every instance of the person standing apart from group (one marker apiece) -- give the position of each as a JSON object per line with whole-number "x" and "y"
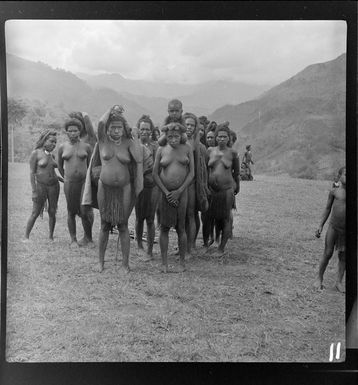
{"x": 336, "y": 232}
{"x": 247, "y": 159}
{"x": 73, "y": 160}
{"x": 44, "y": 181}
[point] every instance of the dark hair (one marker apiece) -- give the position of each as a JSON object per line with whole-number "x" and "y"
{"x": 222, "y": 127}
{"x": 189, "y": 115}
{"x": 146, "y": 119}
{"x": 233, "y": 136}
{"x": 175, "y": 127}
{"x": 115, "y": 115}
{"x": 155, "y": 134}
{"x": 176, "y": 102}
{"x": 43, "y": 137}
{"x": 340, "y": 171}
{"x": 74, "y": 122}
{"x": 248, "y": 146}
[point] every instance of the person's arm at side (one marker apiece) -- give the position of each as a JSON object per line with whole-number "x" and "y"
{"x": 33, "y": 166}
{"x": 156, "y": 171}
{"x": 60, "y": 177}
{"x": 236, "y": 171}
{"x": 60, "y": 161}
{"x": 175, "y": 195}
{"x": 89, "y": 154}
{"x": 326, "y": 212}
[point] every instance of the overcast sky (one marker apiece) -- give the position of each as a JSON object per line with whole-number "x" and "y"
{"x": 260, "y": 52}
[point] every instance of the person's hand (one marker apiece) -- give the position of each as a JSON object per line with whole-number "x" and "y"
{"x": 237, "y": 190}
{"x": 171, "y": 199}
{"x": 34, "y": 196}
{"x": 318, "y": 232}
{"x": 173, "y": 195}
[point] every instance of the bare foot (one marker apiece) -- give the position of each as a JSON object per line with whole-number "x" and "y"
{"x": 85, "y": 241}
{"x": 318, "y": 285}
{"x": 25, "y": 240}
{"x": 147, "y": 257}
{"x": 164, "y": 269}
{"x": 125, "y": 269}
{"x": 339, "y": 287}
{"x": 100, "y": 267}
{"x": 218, "y": 254}
{"x": 181, "y": 268}
{"x": 73, "y": 245}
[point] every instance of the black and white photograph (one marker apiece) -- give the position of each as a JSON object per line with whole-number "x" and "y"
{"x": 115, "y": 256}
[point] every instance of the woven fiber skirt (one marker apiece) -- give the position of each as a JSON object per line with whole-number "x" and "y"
{"x": 115, "y": 203}
{"x": 169, "y": 215}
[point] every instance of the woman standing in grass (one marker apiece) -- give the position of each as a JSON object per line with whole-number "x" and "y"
{"x": 224, "y": 185}
{"x": 173, "y": 171}
{"x": 120, "y": 179}
{"x": 44, "y": 181}
{"x": 73, "y": 160}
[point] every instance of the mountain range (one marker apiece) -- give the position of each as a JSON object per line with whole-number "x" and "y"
{"x": 296, "y": 127}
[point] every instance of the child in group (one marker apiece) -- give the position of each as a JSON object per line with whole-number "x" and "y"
{"x": 336, "y": 232}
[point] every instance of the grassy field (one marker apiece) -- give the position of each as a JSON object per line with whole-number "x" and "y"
{"x": 254, "y": 305}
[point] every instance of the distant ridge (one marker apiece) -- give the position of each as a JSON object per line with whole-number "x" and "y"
{"x": 298, "y": 126}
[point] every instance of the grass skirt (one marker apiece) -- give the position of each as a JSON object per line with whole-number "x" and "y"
{"x": 169, "y": 215}
{"x": 111, "y": 204}
{"x": 221, "y": 203}
{"x": 147, "y": 202}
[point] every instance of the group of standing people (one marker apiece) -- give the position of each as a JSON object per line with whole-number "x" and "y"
{"x": 184, "y": 169}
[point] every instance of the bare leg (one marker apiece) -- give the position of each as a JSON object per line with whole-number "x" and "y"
{"x": 225, "y": 234}
{"x": 327, "y": 255}
{"x": 182, "y": 243}
{"x": 190, "y": 220}
{"x": 163, "y": 242}
{"x": 139, "y": 224}
{"x": 52, "y": 223}
{"x": 150, "y": 237}
{"x": 36, "y": 210}
{"x": 102, "y": 242}
{"x": 125, "y": 245}
{"x": 205, "y": 218}
{"x": 231, "y": 225}
{"x": 197, "y": 222}
{"x": 341, "y": 269}
{"x": 87, "y": 219}
{"x": 71, "y": 223}
{"x": 53, "y": 194}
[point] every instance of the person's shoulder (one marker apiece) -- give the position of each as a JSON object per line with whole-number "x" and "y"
{"x": 234, "y": 153}
{"x": 36, "y": 152}
{"x": 332, "y": 191}
{"x": 187, "y": 146}
{"x": 202, "y": 147}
